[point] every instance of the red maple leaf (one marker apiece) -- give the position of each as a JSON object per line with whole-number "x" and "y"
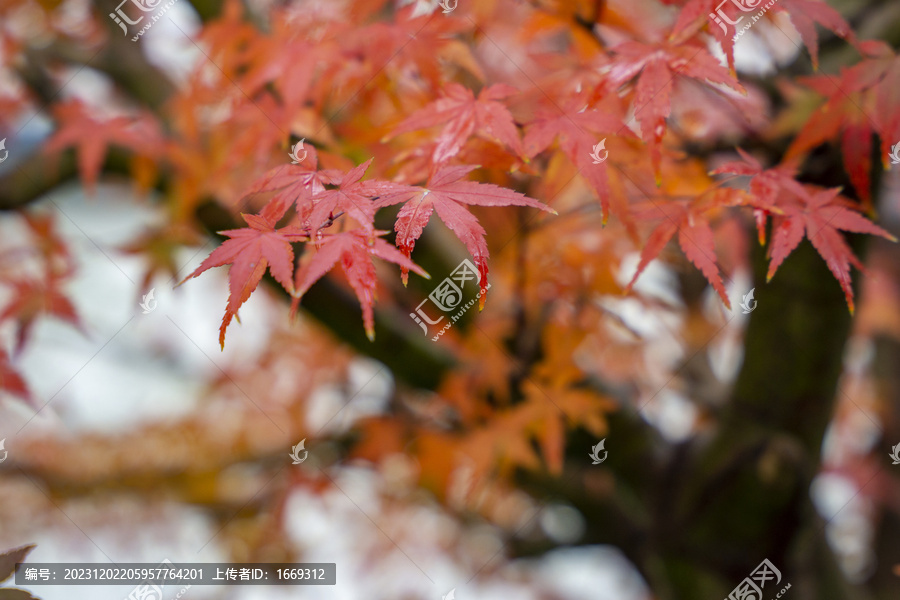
{"x": 446, "y": 193}
{"x": 249, "y": 251}
{"x": 571, "y": 130}
{"x": 294, "y": 185}
{"x": 288, "y": 64}
{"x": 354, "y": 249}
{"x": 49, "y": 243}
{"x": 803, "y": 210}
{"x": 864, "y": 99}
{"x": 355, "y": 198}
{"x": 696, "y": 14}
{"x": 658, "y": 66}
{"x": 691, "y": 221}
{"x": 819, "y": 214}
{"x": 409, "y": 43}
{"x": 92, "y": 137}
{"x": 765, "y": 186}
{"x": 31, "y": 299}
{"x": 227, "y": 38}
{"x": 462, "y": 115}
{"x": 841, "y": 117}
{"x": 804, "y": 15}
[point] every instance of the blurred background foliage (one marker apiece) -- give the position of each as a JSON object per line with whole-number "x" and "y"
{"x": 461, "y": 463}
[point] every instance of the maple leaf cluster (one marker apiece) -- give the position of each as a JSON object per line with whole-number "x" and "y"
{"x": 318, "y": 198}
{"x": 32, "y": 278}
{"x": 358, "y": 79}
{"x": 504, "y": 129}
{"x": 496, "y": 105}
{"x": 802, "y": 210}
{"x": 604, "y": 166}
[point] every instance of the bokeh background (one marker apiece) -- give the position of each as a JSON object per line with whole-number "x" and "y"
{"x": 732, "y": 437}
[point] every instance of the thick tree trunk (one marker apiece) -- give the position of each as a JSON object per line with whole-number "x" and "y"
{"x": 749, "y": 498}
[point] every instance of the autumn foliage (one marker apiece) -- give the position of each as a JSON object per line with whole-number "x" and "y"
{"x": 347, "y": 139}
{"x": 292, "y": 77}
{"x": 334, "y": 210}
{"x": 633, "y": 74}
